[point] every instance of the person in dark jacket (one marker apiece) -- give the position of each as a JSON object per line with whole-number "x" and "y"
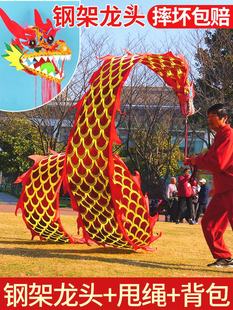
{"x": 185, "y": 193}
{"x": 203, "y": 196}
{"x": 196, "y": 189}
{"x": 219, "y": 161}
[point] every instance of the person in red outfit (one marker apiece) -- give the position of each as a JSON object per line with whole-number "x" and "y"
{"x": 219, "y": 161}
{"x": 185, "y": 193}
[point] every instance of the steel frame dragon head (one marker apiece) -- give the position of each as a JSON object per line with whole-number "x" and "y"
{"x": 35, "y": 50}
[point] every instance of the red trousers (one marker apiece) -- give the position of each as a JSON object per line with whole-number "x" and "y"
{"x": 214, "y": 223}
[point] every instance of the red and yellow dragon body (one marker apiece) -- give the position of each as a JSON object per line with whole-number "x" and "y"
{"x": 112, "y": 209}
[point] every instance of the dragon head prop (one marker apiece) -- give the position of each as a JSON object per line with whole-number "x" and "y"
{"x": 35, "y": 50}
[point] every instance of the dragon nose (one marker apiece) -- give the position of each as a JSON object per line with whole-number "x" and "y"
{"x": 62, "y": 47}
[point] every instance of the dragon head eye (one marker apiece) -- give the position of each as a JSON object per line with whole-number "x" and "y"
{"x": 50, "y": 39}
{"x": 32, "y": 43}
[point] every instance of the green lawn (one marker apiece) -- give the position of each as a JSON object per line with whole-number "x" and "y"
{"x": 181, "y": 251}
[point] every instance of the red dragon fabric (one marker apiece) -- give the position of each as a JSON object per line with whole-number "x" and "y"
{"x": 112, "y": 209}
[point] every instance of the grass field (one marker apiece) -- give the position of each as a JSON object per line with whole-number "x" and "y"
{"x": 181, "y": 251}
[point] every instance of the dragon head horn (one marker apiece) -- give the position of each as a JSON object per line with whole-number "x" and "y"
{"x": 13, "y": 27}
{"x": 39, "y": 22}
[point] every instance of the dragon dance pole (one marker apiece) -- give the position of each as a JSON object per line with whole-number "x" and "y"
{"x": 186, "y": 138}
{"x": 193, "y": 169}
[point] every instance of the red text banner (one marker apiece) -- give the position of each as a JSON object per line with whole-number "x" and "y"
{"x": 158, "y": 16}
{"x": 116, "y": 293}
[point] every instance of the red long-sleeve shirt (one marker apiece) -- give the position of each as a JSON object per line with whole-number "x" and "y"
{"x": 184, "y": 186}
{"x": 219, "y": 160}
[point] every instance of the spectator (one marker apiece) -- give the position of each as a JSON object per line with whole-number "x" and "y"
{"x": 202, "y": 199}
{"x": 172, "y": 189}
{"x": 196, "y": 189}
{"x": 185, "y": 193}
{"x": 172, "y": 200}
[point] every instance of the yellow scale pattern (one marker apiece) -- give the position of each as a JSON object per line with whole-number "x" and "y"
{"x": 132, "y": 205}
{"x": 93, "y": 132}
{"x": 111, "y": 206}
{"x": 98, "y": 214}
{"x": 93, "y": 127}
{"x": 39, "y": 200}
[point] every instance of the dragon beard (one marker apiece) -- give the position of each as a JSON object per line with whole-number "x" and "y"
{"x": 49, "y": 90}
{"x": 51, "y": 70}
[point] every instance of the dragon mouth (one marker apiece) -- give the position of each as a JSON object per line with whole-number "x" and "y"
{"x": 50, "y": 67}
